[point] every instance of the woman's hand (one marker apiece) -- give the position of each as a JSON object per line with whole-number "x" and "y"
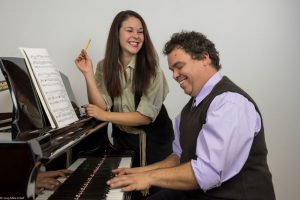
{"x": 84, "y": 63}
{"x": 92, "y": 110}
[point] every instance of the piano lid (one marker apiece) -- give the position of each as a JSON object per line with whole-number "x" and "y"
{"x": 28, "y": 114}
{"x": 29, "y": 121}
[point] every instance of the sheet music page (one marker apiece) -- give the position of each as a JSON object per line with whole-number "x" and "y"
{"x": 50, "y": 87}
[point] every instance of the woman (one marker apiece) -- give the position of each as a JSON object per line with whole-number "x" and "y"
{"x": 128, "y": 89}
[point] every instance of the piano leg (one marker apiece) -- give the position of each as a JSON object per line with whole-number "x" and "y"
{"x": 69, "y": 157}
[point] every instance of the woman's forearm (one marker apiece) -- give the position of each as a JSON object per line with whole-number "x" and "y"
{"x": 127, "y": 118}
{"x": 94, "y": 95}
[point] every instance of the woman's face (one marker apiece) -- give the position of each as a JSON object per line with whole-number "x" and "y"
{"x": 131, "y": 35}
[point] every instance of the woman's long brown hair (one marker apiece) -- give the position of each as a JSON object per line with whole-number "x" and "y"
{"x": 146, "y": 59}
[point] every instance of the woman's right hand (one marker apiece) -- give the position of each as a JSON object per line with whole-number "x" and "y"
{"x": 84, "y": 63}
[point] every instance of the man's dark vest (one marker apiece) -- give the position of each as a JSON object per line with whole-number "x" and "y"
{"x": 254, "y": 181}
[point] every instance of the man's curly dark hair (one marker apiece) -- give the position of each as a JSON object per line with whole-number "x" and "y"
{"x": 195, "y": 44}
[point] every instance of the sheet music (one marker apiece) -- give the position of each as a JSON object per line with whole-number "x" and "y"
{"x": 49, "y": 86}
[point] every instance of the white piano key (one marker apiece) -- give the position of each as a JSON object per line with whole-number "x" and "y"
{"x": 47, "y": 193}
{"x": 117, "y": 194}
{"x": 125, "y": 162}
{"x": 113, "y": 194}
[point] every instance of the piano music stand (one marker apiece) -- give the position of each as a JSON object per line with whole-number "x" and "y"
{"x": 18, "y": 170}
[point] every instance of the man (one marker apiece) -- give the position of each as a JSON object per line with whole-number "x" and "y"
{"x": 219, "y": 151}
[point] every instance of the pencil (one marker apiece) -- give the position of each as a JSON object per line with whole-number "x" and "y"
{"x": 88, "y": 44}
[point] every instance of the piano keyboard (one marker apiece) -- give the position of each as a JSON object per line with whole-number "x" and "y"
{"x": 88, "y": 180}
{"x": 47, "y": 193}
{"x": 116, "y": 193}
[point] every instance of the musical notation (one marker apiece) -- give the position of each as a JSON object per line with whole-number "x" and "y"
{"x": 48, "y": 82}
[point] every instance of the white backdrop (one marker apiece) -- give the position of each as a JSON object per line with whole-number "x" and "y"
{"x": 258, "y": 43}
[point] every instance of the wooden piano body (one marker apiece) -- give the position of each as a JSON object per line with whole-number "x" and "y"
{"x": 53, "y": 148}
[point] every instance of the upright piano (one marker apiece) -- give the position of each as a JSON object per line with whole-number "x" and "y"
{"x": 83, "y": 146}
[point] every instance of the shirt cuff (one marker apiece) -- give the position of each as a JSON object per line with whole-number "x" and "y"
{"x": 149, "y": 111}
{"x": 206, "y": 177}
{"x": 108, "y": 105}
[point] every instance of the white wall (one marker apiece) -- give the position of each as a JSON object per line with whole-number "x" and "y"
{"x": 258, "y": 43}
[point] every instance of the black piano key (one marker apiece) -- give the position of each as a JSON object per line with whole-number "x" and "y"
{"x": 87, "y": 182}
{"x": 97, "y": 187}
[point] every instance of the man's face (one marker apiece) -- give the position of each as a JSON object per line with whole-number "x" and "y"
{"x": 189, "y": 73}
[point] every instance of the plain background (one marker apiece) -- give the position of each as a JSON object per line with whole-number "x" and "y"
{"x": 258, "y": 42}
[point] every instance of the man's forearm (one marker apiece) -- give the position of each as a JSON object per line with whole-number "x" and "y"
{"x": 180, "y": 177}
{"x": 171, "y": 161}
